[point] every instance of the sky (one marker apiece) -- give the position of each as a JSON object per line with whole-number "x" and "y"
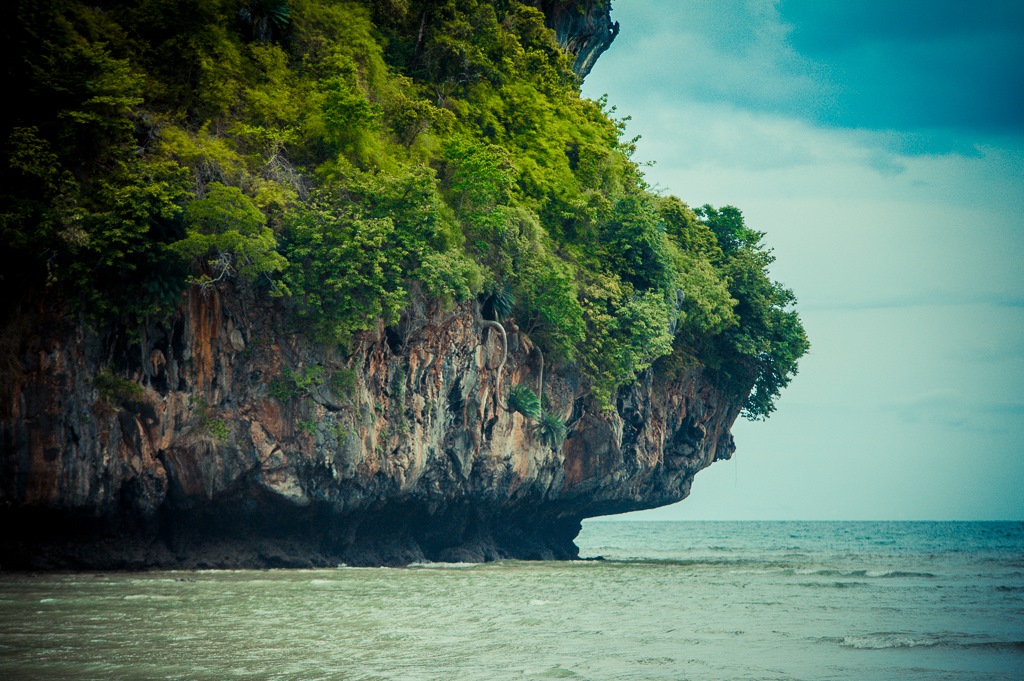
{"x": 880, "y": 145}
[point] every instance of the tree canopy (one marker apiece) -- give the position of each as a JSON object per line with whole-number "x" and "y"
{"x": 339, "y": 153}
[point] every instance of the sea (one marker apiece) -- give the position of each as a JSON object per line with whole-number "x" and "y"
{"x": 667, "y": 600}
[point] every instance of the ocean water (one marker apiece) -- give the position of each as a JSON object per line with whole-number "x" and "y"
{"x": 671, "y": 600}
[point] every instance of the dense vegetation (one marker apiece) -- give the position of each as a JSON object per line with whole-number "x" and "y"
{"x": 342, "y": 155}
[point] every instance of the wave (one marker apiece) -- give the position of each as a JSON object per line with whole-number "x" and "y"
{"x": 150, "y": 597}
{"x": 901, "y": 573}
{"x": 890, "y": 640}
{"x": 874, "y": 574}
{"x": 837, "y": 573}
{"x": 868, "y": 574}
{"x": 783, "y": 567}
{"x": 440, "y": 565}
{"x": 833, "y": 585}
{"x": 708, "y": 562}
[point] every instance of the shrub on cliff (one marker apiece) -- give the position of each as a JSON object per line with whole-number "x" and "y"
{"x": 550, "y": 430}
{"x": 523, "y": 400}
{"x": 115, "y": 390}
{"x": 226, "y": 234}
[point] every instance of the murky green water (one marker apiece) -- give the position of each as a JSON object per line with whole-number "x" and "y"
{"x": 679, "y": 600}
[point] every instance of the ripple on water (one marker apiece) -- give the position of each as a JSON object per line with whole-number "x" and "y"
{"x": 905, "y": 639}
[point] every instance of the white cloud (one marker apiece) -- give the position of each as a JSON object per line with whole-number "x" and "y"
{"x": 944, "y": 230}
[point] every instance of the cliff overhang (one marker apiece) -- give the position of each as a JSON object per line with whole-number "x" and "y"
{"x": 584, "y": 30}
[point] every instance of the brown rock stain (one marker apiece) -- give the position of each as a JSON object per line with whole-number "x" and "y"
{"x": 205, "y": 322}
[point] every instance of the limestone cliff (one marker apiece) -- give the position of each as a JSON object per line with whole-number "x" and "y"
{"x": 223, "y": 438}
{"x": 583, "y": 29}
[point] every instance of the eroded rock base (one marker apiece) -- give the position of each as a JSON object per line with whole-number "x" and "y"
{"x": 236, "y": 538}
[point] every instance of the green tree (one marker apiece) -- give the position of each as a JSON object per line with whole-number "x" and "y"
{"x": 759, "y": 354}
{"x": 343, "y": 275}
{"x": 264, "y": 19}
{"x": 226, "y": 234}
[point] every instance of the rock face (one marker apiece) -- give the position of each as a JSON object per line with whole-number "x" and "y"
{"x": 583, "y": 29}
{"x": 224, "y": 439}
